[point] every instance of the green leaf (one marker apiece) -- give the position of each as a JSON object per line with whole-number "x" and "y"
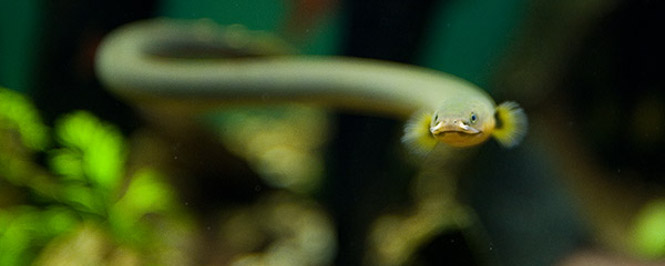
{"x": 100, "y": 146}
{"x": 77, "y": 130}
{"x": 16, "y": 235}
{"x": 18, "y": 113}
{"x": 24, "y": 230}
{"x": 83, "y": 198}
{"x": 649, "y": 233}
{"x": 67, "y": 163}
{"x": 146, "y": 194}
{"x": 104, "y": 162}
{"x": 59, "y": 220}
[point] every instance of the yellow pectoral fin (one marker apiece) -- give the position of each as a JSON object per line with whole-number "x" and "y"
{"x": 511, "y": 124}
{"x": 417, "y": 135}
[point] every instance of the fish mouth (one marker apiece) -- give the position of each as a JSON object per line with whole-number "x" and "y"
{"x": 455, "y": 127}
{"x": 456, "y": 133}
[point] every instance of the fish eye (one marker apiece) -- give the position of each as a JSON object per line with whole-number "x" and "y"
{"x": 474, "y": 118}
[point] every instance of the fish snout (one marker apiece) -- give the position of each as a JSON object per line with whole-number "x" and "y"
{"x": 452, "y": 125}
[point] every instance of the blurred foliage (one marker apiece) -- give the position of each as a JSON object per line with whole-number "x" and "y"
{"x": 23, "y": 229}
{"x": 286, "y": 156}
{"x": 18, "y": 114}
{"x": 92, "y": 151}
{"x": 82, "y": 197}
{"x": 280, "y": 229}
{"x": 649, "y": 230}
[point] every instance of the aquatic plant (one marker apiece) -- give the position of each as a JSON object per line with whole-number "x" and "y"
{"x": 85, "y": 192}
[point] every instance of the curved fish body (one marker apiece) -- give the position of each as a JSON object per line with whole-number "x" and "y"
{"x": 143, "y": 62}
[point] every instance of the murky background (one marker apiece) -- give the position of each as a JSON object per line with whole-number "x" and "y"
{"x": 87, "y": 178}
